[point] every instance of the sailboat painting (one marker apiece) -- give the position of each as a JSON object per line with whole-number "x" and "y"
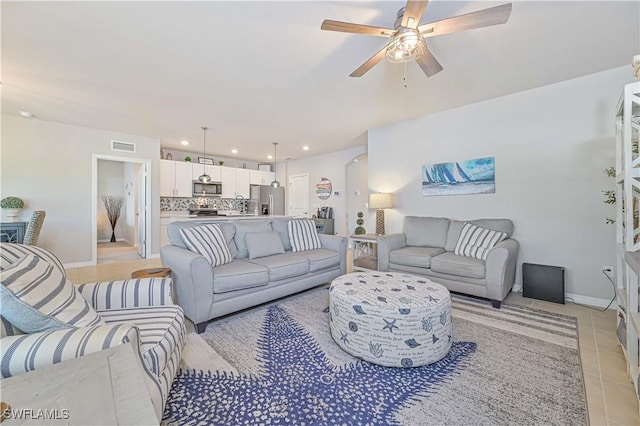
{"x": 475, "y": 176}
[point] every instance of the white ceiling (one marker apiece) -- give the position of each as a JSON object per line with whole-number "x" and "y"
{"x": 258, "y": 72}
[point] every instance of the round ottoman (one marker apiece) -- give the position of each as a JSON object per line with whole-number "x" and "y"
{"x": 391, "y": 319}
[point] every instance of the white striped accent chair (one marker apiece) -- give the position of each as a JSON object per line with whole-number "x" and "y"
{"x": 141, "y": 311}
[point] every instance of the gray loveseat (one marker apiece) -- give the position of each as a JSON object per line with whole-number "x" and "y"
{"x": 427, "y": 245}
{"x": 254, "y": 276}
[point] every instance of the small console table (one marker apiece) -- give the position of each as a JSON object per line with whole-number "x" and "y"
{"x": 12, "y": 232}
{"x": 364, "y": 250}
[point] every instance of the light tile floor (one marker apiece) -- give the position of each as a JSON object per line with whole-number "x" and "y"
{"x": 610, "y": 395}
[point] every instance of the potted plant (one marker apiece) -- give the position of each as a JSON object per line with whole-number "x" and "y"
{"x": 221, "y": 162}
{"x": 12, "y": 206}
{"x": 360, "y": 221}
{"x": 187, "y": 158}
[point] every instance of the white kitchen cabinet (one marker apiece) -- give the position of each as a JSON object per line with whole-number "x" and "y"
{"x": 259, "y": 177}
{"x": 175, "y": 178}
{"x": 213, "y": 171}
{"x": 235, "y": 182}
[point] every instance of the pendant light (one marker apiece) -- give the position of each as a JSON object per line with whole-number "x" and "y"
{"x": 204, "y": 178}
{"x": 275, "y": 183}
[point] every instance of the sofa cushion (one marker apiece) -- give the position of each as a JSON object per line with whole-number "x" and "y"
{"x": 426, "y": 231}
{"x": 283, "y": 266}
{"x": 208, "y": 241}
{"x": 160, "y": 331}
{"x": 303, "y": 235}
{"x": 463, "y": 266}
{"x": 414, "y": 256}
{"x": 261, "y": 244}
{"x": 502, "y": 225}
{"x": 281, "y": 226}
{"x": 475, "y": 241}
{"x": 36, "y": 296}
{"x": 238, "y": 275}
{"x": 245, "y": 226}
{"x": 320, "y": 259}
{"x": 228, "y": 230}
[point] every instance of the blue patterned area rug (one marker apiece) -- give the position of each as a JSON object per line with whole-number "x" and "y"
{"x": 278, "y": 365}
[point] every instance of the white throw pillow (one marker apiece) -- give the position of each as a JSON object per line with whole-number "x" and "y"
{"x": 303, "y": 235}
{"x": 475, "y": 241}
{"x": 36, "y": 296}
{"x": 207, "y": 240}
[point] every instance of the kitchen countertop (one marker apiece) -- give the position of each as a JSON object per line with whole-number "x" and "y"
{"x": 187, "y": 216}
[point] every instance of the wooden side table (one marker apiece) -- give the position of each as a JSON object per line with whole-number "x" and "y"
{"x": 364, "y": 251}
{"x": 151, "y": 273}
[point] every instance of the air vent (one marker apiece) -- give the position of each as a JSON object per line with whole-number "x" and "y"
{"x": 123, "y": 146}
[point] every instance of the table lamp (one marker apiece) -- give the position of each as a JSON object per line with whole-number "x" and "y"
{"x": 380, "y": 201}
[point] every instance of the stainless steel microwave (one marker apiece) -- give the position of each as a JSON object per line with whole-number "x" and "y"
{"x": 209, "y": 189}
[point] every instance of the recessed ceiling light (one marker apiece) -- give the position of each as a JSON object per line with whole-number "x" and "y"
{"x": 234, "y": 151}
{"x": 185, "y": 143}
{"x": 26, "y": 114}
{"x": 305, "y": 148}
{"x": 269, "y": 157}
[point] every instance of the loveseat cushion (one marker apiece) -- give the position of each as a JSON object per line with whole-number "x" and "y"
{"x": 426, "y": 231}
{"x": 261, "y": 244}
{"x": 160, "y": 331}
{"x": 281, "y": 226}
{"x": 238, "y": 275}
{"x": 463, "y": 266}
{"x": 455, "y": 228}
{"x": 36, "y": 296}
{"x": 283, "y": 266}
{"x": 320, "y": 259}
{"x": 475, "y": 241}
{"x": 414, "y": 256}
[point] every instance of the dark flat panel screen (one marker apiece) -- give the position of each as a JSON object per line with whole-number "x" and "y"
{"x": 543, "y": 282}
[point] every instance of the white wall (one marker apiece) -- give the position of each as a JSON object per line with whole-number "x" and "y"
{"x": 50, "y": 165}
{"x": 357, "y": 193}
{"x": 332, "y": 167}
{"x": 551, "y": 145}
{"x": 110, "y": 182}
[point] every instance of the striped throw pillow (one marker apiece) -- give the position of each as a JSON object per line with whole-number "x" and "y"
{"x": 35, "y": 296}
{"x": 475, "y": 241}
{"x": 208, "y": 241}
{"x": 303, "y": 235}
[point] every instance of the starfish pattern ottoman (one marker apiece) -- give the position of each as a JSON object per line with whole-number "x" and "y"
{"x": 391, "y": 319}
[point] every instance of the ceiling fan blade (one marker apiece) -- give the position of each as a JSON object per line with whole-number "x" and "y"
{"x": 429, "y": 64}
{"x": 370, "y": 63}
{"x": 413, "y": 13}
{"x": 482, "y": 18}
{"x": 348, "y": 27}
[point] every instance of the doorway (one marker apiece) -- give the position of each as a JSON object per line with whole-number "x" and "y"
{"x": 124, "y": 181}
{"x": 299, "y": 195}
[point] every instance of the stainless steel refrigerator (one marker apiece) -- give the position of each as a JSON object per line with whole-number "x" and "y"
{"x": 268, "y": 200}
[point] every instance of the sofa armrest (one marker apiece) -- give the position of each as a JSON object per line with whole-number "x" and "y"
{"x": 387, "y": 243}
{"x": 336, "y": 243}
{"x": 193, "y": 280}
{"x": 501, "y": 268}
{"x": 27, "y": 352}
{"x": 135, "y": 293}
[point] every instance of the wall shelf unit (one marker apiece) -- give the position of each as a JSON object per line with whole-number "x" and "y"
{"x": 628, "y": 228}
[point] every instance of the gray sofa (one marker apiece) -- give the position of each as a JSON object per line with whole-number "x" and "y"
{"x": 205, "y": 292}
{"x": 426, "y": 247}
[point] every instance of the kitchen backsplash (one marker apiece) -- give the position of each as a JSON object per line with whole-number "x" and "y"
{"x": 169, "y": 204}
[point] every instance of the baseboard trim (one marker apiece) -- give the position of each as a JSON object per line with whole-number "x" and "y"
{"x": 577, "y": 298}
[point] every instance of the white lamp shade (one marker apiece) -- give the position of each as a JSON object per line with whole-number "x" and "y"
{"x": 380, "y": 201}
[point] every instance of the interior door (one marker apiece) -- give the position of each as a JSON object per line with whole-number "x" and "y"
{"x": 299, "y": 195}
{"x": 141, "y": 211}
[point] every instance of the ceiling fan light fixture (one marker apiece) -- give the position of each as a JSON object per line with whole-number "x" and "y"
{"x": 405, "y": 46}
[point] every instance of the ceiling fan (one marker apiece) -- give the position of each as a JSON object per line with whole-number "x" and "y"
{"x": 407, "y": 38}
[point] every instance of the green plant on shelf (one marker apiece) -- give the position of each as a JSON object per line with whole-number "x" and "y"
{"x": 11, "y": 203}
{"x": 360, "y": 221}
{"x": 187, "y": 158}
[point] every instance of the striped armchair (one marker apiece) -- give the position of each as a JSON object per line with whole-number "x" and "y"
{"x": 139, "y": 311}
